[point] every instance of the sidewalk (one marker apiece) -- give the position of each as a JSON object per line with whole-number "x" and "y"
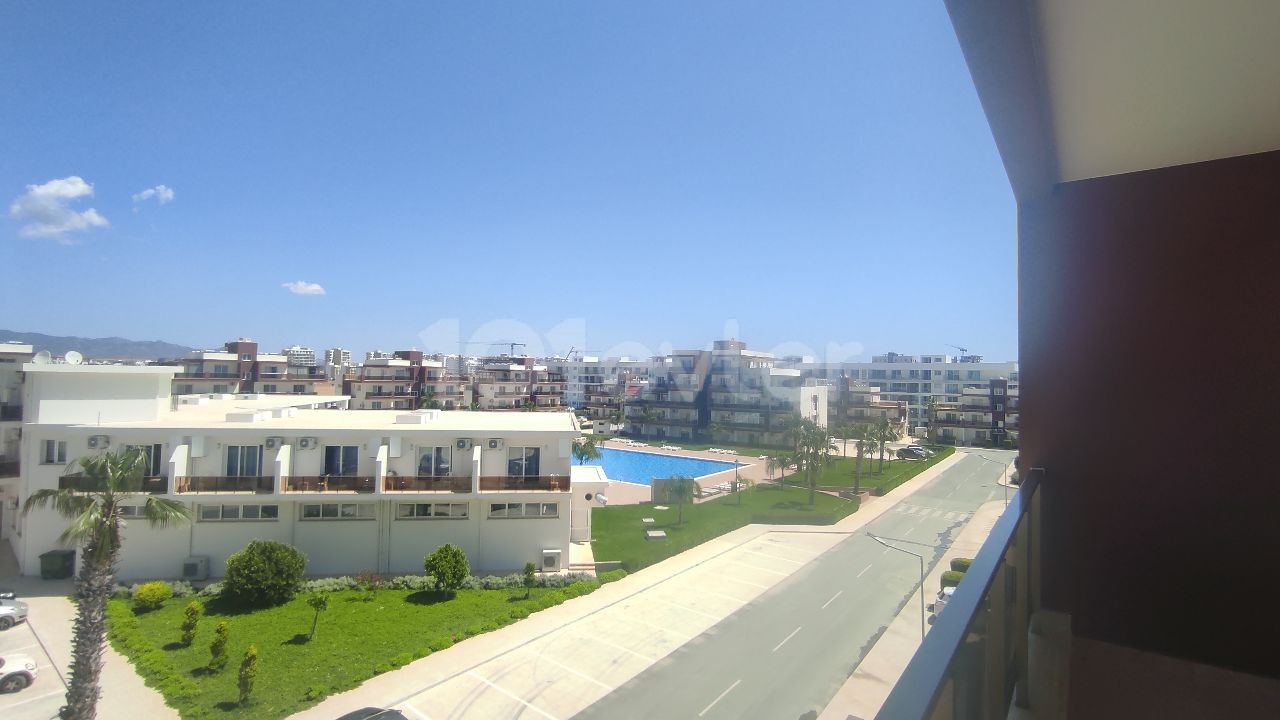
{"x": 866, "y": 689}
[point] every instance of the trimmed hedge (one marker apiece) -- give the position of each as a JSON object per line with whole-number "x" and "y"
{"x": 264, "y": 573}
{"x": 951, "y": 578}
{"x": 151, "y": 596}
{"x": 961, "y": 564}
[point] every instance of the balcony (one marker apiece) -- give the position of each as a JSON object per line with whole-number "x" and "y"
{"x": 329, "y": 483}
{"x": 10, "y": 468}
{"x": 527, "y": 483}
{"x": 969, "y": 663}
{"x": 388, "y": 394}
{"x": 206, "y": 376}
{"x": 224, "y": 484}
{"x": 80, "y": 483}
{"x": 426, "y": 484}
{"x": 10, "y": 412}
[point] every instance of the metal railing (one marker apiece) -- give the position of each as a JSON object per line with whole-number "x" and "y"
{"x": 426, "y": 483}
{"x": 224, "y": 484}
{"x": 497, "y": 483}
{"x": 971, "y": 662}
{"x": 80, "y": 483}
{"x": 329, "y": 483}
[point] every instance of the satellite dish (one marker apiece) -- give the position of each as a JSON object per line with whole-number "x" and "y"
{"x": 42, "y": 358}
{"x": 74, "y": 358}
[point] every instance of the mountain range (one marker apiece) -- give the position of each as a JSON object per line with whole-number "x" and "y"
{"x": 112, "y": 348}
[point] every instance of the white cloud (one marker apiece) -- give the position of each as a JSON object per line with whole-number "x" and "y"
{"x": 302, "y": 287}
{"x": 48, "y": 209}
{"x": 162, "y": 194}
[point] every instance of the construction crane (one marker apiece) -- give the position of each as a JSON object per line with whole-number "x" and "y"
{"x": 963, "y": 351}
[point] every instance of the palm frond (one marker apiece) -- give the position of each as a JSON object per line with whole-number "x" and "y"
{"x": 163, "y": 513}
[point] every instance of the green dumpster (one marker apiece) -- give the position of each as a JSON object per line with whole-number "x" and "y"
{"x": 57, "y": 564}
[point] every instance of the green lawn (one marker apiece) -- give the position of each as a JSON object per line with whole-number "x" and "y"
{"x": 356, "y": 639}
{"x": 840, "y": 472}
{"x": 618, "y": 533}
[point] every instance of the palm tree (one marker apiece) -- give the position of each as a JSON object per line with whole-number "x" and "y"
{"x": 813, "y": 448}
{"x": 96, "y": 524}
{"x": 886, "y": 432}
{"x": 864, "y": 437}
{"x": 845, "y": 433}
{"x": 740, "y": 484}
{"x": 681, "y": 489}
{"x": 584, "y": 450}
{"x": 429, "y": 401}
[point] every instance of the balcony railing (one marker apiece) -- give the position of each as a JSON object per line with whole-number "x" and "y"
{"x": 224, "y": 484}
{"x": 10, "y": 412}
{"x": 970, "y": 663}
{"x": 329, "y": 483}
{"x": 10, "y": 468}
{"x": 426, "y": 483}
{"x": 387, "y": 394}
{"x": 517, "y": 483}
{"x": 206, "y": 376}
{"x": 80, "y": 483}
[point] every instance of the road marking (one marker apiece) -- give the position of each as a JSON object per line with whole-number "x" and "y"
{"x": 865, "y": 569}
{"x": 784, "y": 640}
{"x": 20, "y": 649}
{"x": 719, "y": 697}
{"x": 631, "y": 618}
{"x": 757, "y": 567}
{"x": 511, "y": 695}
{"x": 726, "y": 597}
{"x": 602, "y": 641}
{"x": 908, "y": 532}
{"x": 833, "y": 599}
{"x": 775, "y": 557}
{"x": 562, "y": 666}
{"x": 38, "y": 697}
{"x": 744, "y": 582}
{"x": 686, "y": 608}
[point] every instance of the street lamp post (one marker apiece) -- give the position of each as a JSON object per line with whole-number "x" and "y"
{"x": 921, "y": 559}
{"x": 1004, "y": 470}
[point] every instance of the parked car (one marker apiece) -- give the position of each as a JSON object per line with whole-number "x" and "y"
{"x": 16, "y": 672}
{"x": 373, "y": 713}
{"x": 909, "y": 454}
{"x": 7, "y": 594}
{"x": 924, "y": 450}
{"x": 12, "y": 612}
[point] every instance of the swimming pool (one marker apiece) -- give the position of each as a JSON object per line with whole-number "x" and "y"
{"x": 643, "y": 467}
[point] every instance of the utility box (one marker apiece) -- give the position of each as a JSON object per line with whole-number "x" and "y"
{"x": 57, "y": 564}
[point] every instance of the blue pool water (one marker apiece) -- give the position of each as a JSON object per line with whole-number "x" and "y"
{"x": 643, "y": 467}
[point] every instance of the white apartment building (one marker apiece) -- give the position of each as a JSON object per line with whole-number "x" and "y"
{"x": 372, "y": 490}
{"x": 581, "y": 374}
{"x": 337, "y": 356}
{"x": 299, "y": 356}
{"x": 983, "y": 416}
{"x": 12, "y": 357}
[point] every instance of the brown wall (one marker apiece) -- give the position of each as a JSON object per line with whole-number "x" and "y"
{"x": 1150, "y": 373}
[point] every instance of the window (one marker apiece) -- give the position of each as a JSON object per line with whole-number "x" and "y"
{"x": 226, "y": 513}
{"x": 998, "y": 391}
{"x": 338, "y": 511}
{"x": 55, "y": 452}
{"x": 152, "y": 454}
{"x": 999, "y": 406}
{"x": 246, "y": 357}
{"x": 269, "y": 388}
{"x": 377, "y": 404}
{"x": 300, "y": 389}
{"x": 523, "y": 461}
{"x": 341, "y": 460}
{"x": 953, "y": 374}
{"x": 435, "y": 461}
{"x": 219, "y": 389}
{"x": 974, "y": 375}
{"x": 524, "y": 510}
{"x": 244, "y": 460}
{"x": 432, "y": 511}
{"x": 130, "y": 511}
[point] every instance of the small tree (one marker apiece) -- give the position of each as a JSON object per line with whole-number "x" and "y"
{"x": 530, "y": 578}
{"x": 370, "y": 582}
{"x": 681, "y": 489}
{"x": 191, "y": 622}
{"x": 248, "y": 673}
{"x": 318, "y": 602}
{"x": 448, "y": 565}
{"x": 218, "y": 648}
{"x": 264, "y": 573}
{"x": 584, "y": 450}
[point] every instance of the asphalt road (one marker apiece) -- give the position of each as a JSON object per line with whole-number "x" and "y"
{"x": 790, "y": 650}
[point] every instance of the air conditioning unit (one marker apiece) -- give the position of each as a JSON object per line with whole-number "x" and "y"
{"x": 99, "y": 442}
{"x": 550, "y": 560}
{"x": 495, "y": 443}
{"x": 463, "y": 443}
{"x": 274, "y": 442}
{"x": 308, "y": 443}
{"x": 195, "y": 567}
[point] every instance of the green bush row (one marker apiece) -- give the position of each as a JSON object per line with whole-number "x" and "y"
{"x": 179, "y": 588}
{"x": 611, "y": 576}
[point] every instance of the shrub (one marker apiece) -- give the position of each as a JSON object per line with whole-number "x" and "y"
{"x": 191, "y": 622}
{"x": 961, "y": 564}
{"x": 951, "y": 578}
{"x": 248, "y": 673}
{"x": 263, "y": 574}
{"x": 370, "y": 582}
{"x": 448, "y": 565}
{"x": 611, "y": 576}
{"x": 213, "y": 589}
{"x": 151, "y": 596}
{"x": 218, "y": 648}
{"x": 332, "y": 584}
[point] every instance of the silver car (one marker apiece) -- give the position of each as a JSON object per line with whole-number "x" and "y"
{"x": 12, "y": 612}
{"x": 16, "y": 672}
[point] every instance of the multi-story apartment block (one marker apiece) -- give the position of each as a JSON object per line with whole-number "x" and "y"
{"x": 240, "y": 368}
{"x": 12, "y": 356}
{"x": 589, "y": 375}
{"x": 983, "y": 416}
{"x": 337, "y": 356}
{"x": 407, "y": 380}
{"x": 851, "y": 402}
{"x": 377, "y": 355}
{"x": 916, "y": 380}
{"x": 516, "y": 383}
{"x": 730, "y": 394}
{"x": 352, "y": 490}
{"x": 300, "y": 356}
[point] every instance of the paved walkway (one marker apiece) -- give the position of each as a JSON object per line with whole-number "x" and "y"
{"x": 46, "y": 636}
{"x": 560, "y": 660}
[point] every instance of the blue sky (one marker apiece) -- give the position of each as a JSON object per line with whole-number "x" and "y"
{"x": 625, "y": 176}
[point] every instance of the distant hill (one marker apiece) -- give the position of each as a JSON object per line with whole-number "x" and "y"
{"x": 112, "y": 348}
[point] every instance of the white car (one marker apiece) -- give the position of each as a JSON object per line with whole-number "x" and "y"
{"x": 16, "y": 672}
{"x": 12, "y": 612}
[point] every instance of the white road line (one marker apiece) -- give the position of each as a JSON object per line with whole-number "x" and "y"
{"x": 864, "y": 570}
{"x": 38, "y": 697}
{"x": 630, "y": 618}
{"x": 20, "y": 649}
{"x": 884, "y": 551}
{"x": 744, "y": 582}
{"x": 719, "y": 697}
{"x": 833, "y": 599}
{"x": 414, "y": 710}
{"x": 511, "y": 695}
{"x": 908, "y": 531}
{"x": 686, "y": 608}
{"x": 775, "y": 557}
{"x": 562, "y": 666}
{"x": 726, "y": 597}
{"x": 784, "y": 640}
{"x": 757, "y": 567}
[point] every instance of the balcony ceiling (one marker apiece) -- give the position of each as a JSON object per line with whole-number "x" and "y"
{"x": 1140, "y": 84}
